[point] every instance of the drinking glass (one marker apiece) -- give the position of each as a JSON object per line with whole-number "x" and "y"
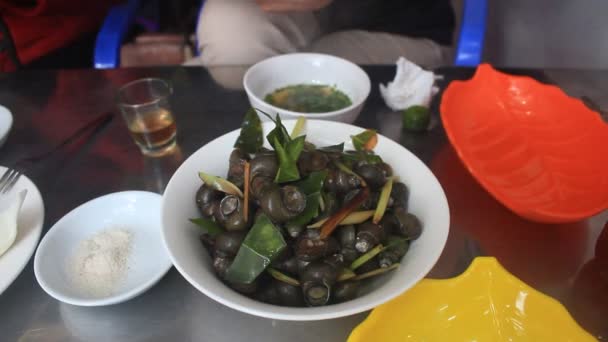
{"x": 144, "y": 105}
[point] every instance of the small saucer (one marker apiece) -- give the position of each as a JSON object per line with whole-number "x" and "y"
{"x": 29, "y": 227}
{"x": 135, "y": 211}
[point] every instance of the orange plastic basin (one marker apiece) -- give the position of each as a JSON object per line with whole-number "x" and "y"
{"x": 541, "y": 153}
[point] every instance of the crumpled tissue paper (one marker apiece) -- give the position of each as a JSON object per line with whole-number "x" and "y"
{"x": 412, "y": 86}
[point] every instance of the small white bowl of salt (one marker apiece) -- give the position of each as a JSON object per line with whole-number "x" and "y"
{"x": 105, "y": 251}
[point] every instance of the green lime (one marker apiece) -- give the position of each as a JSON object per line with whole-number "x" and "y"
{"x": 416, "y": 118}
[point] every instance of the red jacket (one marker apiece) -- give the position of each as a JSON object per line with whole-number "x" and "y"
{"x": 41, "y": 26}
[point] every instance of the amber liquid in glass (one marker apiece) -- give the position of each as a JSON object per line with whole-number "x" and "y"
{"x": 154, "y": 131}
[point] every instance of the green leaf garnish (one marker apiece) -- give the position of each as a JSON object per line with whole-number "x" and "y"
{"x": 280, "y": 276}
{"x": 298, "y": 127}
{"x": 313, "y": 183}
{"x": 352, "y": 157}
{"x": 288, "y": 155}
{"x": 321, "y": 202}
{"x": 372, "y": 158}
{"x": 220, "y": 184}
{"x": 366, "y": 257}
{"x": 251, "y": 137}
{"x": 311, "y": 186}
{"x": 385, "y": 195}
{"x": 311, "y": 211}
{"x": 362, "y": 140}
{"x": 295, "y": 146}
{"x": 355, "y": 217}
{"x": 346, "y": 274}
{"x": 288, "y": 151}
{"x": 209, "y": 227}
{"x": 333, "y": 148}
{"x": 263, "y": 243}
{"x": 279, "y": 133}
{"x": 375, "y": 272}
{"x": 396, "y": 242}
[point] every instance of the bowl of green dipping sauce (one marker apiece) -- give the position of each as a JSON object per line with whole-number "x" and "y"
{"x": 315, "y": 86}
{"x": 309, "y": 98}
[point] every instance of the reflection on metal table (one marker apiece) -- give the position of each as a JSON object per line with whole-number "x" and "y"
{"x": 48, "y": 105}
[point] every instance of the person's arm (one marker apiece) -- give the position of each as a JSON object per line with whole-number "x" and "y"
{"x": 292, "y": 5}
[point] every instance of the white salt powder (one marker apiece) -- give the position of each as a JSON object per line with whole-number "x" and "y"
{"x": 100, "y": 263}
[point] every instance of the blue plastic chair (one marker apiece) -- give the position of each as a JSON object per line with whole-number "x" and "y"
{"x": 121, "y": 18}
{"x": 472, "y": 29}
{"x": 115, "y": 27}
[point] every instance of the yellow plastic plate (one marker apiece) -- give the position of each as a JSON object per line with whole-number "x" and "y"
{"x": 485, "y": 303}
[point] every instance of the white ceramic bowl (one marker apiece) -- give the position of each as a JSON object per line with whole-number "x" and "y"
{"x": 427, "y": 201}
{"x": 307, "y": 68}
{"x": 136, "y": 211}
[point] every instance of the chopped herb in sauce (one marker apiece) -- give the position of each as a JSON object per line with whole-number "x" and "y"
{"x": 309, "y": 98}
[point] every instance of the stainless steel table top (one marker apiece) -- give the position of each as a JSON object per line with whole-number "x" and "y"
{"x": 49, "y": 105}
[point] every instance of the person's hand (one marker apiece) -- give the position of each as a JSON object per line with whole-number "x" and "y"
{"x": 292, "y": 5}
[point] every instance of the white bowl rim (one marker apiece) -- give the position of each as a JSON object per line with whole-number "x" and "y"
{"x": 353, "y": 105}
{"x": 300, "y": 313}
{"x": 7, "y": 117}
{"x": 113, "y": 299}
